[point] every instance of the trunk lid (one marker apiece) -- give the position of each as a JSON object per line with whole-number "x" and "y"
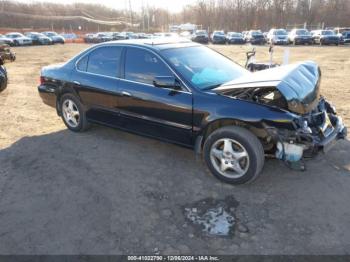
{"x": 298, "y": 83}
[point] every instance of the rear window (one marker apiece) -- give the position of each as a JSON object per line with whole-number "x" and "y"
{"x": 102, "y": 61}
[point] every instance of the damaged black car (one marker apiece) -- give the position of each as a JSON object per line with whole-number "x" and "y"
{"x": 188, "y": 94}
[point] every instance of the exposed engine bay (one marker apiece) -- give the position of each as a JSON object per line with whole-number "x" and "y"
{"x": 263, "y": 95}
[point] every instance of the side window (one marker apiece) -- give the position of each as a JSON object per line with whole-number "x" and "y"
{"x": 142, "y": 66}
{"x": 82, "y": 64}
{"x": 104, "y": 61}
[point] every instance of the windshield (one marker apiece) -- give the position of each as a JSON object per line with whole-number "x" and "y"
{"x": 327, "y": 32}
{"x": 302, "y": 32}
{"x": 280, "y": 32}
{"x": 219, "y": 33}
{"x": 203, "y": 67}
{"x": 51, "y": 34}
{"x": 201, "y": 32}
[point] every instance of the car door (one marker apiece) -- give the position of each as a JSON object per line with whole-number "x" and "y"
{"x": 159, "y": 112}
{"x": 96, "y": 80}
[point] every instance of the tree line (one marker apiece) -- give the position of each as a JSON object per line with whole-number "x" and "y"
{"x": 234, "y": 15}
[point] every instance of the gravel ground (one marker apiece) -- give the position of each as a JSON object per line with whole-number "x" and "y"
{"x": 109, "y": 192}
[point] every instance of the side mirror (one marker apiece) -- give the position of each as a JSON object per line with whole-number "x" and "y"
{"x": 166, "y": 82}
{"x": 1, "y": 61}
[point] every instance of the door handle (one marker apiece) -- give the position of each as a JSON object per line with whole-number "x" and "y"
{"x": 76, "y": 82}
{"x": 124, "y": 93}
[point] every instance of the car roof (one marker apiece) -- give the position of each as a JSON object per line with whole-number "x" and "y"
{"x": 156, "y": 44}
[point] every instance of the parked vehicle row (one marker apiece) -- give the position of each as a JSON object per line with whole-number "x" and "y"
{"x": 110, "y": 36}
{"x": 31, "y": 38}
{"x": 297, "y": 36}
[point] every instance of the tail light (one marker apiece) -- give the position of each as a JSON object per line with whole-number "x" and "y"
{"x": 42, "y": 80}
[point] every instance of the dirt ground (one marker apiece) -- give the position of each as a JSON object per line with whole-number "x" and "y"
{"x": 109, "y": 192}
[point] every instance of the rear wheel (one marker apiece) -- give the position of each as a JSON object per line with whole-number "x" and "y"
{"x": 234, "y": 155}
{"x": 73, "y": 113}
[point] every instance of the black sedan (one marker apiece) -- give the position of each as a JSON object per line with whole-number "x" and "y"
{"x": 255, "y": 37}
{"x": 186, "y": 93}
{"x": 218, "y": 37}
{"x": 325, "y": 37}
{"x": 200, "y": 36}
{"x": 235, "y": 38}
{"x": 39, "y": 38}
{"x": 3, "y": 75}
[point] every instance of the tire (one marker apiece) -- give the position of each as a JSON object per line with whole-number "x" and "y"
{"x": 82, "y": 123}
{"x": 16, "y": 43}
{"x": 246, "y": 143}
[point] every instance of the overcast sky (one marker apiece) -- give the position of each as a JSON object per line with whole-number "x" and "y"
{"x": 172, "y": 5}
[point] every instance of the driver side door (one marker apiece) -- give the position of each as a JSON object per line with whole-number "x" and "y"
{"x": 164, "y": 113}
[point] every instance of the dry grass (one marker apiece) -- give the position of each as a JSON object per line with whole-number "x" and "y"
{"x": 23, "y": 113}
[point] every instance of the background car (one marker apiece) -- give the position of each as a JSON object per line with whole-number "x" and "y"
{"x": 234, "y": 38}
{"x": 127, "y": 35}
{"x": 200, "y": 36}
{"x": 278, "y": 37}
{"x": 345, "y": 37}
{"x": 218, "y": 37}
{"x": 300, "y": 36}
{"x": 88, "y": 38}
{"x": 102, "y": 37}
{"x": 325, "y": 37}
{"x": 6, "y": 40}
{"x": 19, "y": 39}
{"x": 255, "y": 37}
{"x": 56, "y": 38}
{"x": 39, "y": 38}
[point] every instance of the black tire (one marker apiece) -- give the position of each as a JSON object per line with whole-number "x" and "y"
{"x": 16, "y": 43}
{"x": 251, "y": 144}
{"x": 83, "y": 123}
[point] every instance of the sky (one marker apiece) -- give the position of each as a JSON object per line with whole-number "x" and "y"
{"x": 172, "y": 5}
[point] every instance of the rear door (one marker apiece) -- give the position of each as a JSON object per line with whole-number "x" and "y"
{"x": 96, "y": 80}
{"x": 160, "y": 112}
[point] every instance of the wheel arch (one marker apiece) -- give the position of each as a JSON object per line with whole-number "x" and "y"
{"x": 257, "y": 129}
{"x": 64, "y": 89}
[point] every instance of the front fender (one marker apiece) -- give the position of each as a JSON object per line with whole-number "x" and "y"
{"x": 211, "y": 108}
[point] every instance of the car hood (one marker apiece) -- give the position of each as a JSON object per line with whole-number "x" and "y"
{"x": 298, "y": 83}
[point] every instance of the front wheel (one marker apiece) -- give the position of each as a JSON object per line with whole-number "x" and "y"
{"x": 73, "y": 113}
{"x": 234, "y": 155}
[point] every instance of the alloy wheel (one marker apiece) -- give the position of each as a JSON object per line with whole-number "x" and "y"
{"x": 229, "y": 158}
{"x": 71, "y": 113}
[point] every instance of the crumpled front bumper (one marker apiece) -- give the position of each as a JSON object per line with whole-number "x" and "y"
{"x": 307, "y": 142}
{"x": 339, "y": 132}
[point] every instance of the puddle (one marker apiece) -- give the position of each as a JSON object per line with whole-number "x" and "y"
{"x": 213, "y": 217}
